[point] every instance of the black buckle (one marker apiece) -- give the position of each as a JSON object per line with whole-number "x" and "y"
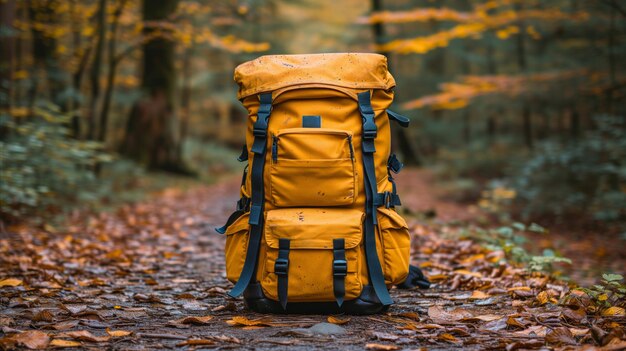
{"x": 260, "y": 132}
{"x": 370, "y": 134}
{"x": 340, "y": 268}
{"x": 243, "y": 204}
{"x": 387, "y": 199}
{"x": 281, "y": 266}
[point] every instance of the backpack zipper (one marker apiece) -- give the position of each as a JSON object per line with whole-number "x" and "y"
{"x": 275, "y": 148}
{"x": 351, "y": 147}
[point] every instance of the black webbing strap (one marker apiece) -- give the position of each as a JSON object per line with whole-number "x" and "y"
{"x": 244, "y": 154}
{"x": 369, "y": 134}
{"x": 256, "y": 208}
{"x": 402, "y": 120}
{"x": 281, "y": 269}
{"x": 387, "y": 199}
{"x": 340, "y": 270}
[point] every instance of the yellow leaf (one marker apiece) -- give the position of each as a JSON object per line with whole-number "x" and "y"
{"x": 21, "y": 74}
{"x": 118, "y": 333}
{"x": 336, "y": 320}
{"x": 542, "y": 298}
{"x": 243, "y": 321}
{"x": 448, "y": 337}
{"x": 603, "y": 297}
{"x": 519, "y": 288}
{"x": 478, "y": 295}
{"x": 10, "y": 282}
{"x": 64, "y": 343}
{"x": 614, "y": 311}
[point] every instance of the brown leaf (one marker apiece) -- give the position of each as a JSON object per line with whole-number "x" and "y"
{"x": 10, "y": 282}
{"x": 337, "y": 320}
{"x": 85, "y": 335}
{"x": 560, "y": 336}
{"x": 411, "y": 315}
{"x": 197, "y": 320}
{"x": 441, "y": 316}
{"x": 483, "y": 317}
{"x": 43, "y": 316}
{"x": 65, "y": 343}
{"x": 230, "y": 306}
{"x": 384, "y": 336}
{"x": 373, "y": 346}
{"x": 65, "y": 325}
{"x": 32, "y": 339}
{"x": 574, "y": 315}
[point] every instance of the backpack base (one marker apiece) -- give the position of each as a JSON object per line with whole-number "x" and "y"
{"x": 366, "y": 303}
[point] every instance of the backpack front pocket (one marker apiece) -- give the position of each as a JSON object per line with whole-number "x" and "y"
{"x": 312, "y": 167}
{"x": 395, "y": 240}
{"x": 236, "y": 247}
{"x": 313, "y": 252}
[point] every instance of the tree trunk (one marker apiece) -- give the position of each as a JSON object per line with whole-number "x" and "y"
{"x": 152, "y": 131}
{"x": 7, "y": 52}
{"x": 112, "y": 66}
{"x": 522, "y": 64}
{"x": 96, "y": 69}
{"x": 401, "y": 139}
{"x": 44, "y": 50}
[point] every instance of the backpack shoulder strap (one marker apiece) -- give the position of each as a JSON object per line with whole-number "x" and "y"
{"x": 371, "y": 190}
{"x": 256, "y": 208}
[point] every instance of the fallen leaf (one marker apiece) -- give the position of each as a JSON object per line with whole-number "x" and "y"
{"x": 410, "y": 315}
{"x": 10, "y": 282}
{"x": 479, "y": 295}
{"x": 32, "y": 339}
{"x": 560, "y": 336}
{"x": 384, "y": 336}
{"x": 373, "y": 346}
{"x": 337, "y": 320}
{"x": 243, "y": 321}
{"x": 64, "y": 343}
{"x": 65, "y": 325}
{"x": 614, "y": 311}
{"x": 468, "y": 272}
{"x": 193, "y": 320}
{"x": 512, "y": 321}
{"x": 441, "y": 316}
{"x": 118, "y": 333}
{"x": 196, "y": 342}
{"x": 231, "y": 306}
{"x": 448, "y": 337}
{"x": 542, "y": 298}
{"x": 85, "y": 335}
{"x": 484, "y": 318}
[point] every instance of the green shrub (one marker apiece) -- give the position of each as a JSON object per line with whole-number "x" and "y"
{"x": 587, "y": 176}
{"x": 43, "y": 167}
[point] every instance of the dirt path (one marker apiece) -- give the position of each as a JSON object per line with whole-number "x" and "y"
{"x": 135, "y": 279}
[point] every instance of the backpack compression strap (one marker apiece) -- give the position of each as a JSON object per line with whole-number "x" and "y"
{"x": 256, "y": 208}
{"x": 371, "y": 190}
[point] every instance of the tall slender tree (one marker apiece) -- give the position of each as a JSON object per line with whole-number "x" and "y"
{"x": 153, "y": 131}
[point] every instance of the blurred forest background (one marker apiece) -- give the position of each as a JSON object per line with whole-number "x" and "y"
{"x": 517, "y": 106}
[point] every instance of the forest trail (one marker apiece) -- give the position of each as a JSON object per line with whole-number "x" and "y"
{"x": 151, "y": 276}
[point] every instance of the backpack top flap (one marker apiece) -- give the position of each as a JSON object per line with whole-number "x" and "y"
{"x": 349, "y": 70}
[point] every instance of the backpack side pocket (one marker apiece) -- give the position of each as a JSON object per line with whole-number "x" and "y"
{"x": 236, "y": 247}
{"x": 395, "y": 240}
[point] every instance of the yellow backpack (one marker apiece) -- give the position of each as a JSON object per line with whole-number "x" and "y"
{"x": 315, "y": 229}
